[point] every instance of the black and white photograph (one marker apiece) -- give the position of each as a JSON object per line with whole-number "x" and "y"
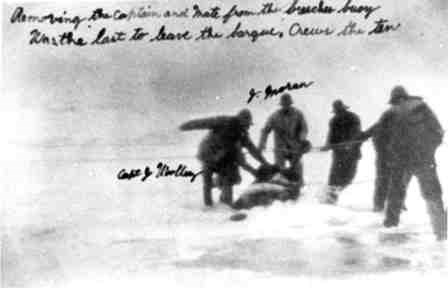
{"x": 224, "y": 144}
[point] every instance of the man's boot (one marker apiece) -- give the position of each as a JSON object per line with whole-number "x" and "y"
{"x": 331, "y": 196}
{"x": 207, "y": 189}
{"x": 438, "y": 217}
{"x": 227, "y": 195}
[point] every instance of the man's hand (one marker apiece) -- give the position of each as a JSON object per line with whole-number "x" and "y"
{"x": 251, "y": 170}
{"x": 325, "y": 148}
{"x": 305, "y": 146}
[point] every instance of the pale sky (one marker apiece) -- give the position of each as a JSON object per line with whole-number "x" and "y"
{"x": 141, "y": 92}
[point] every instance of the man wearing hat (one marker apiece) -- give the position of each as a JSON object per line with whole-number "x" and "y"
{"x": 344, "y": 129}
{"x": 416, "y": 136}
{"x": 410, "y": 134}
{"x": 290, "y": 132}
{"x": 382, "y": 132}
{"x": 220, "y": 152}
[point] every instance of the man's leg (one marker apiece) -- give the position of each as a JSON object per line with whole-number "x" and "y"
{"x": 279, "y": 158}
{"x": 395, "y": 196}
{"x": 297, "y": 167}
{"x": 432, "y": 193}
{"x": 334, "y": 180}
{"x": 230, "y": 175}
{"x": 382, "y": 180}
{"x": 349, "y": 169}
{"x": 227, "y": 194}
{"x": 207, "y": 185}
{"x": 406, "y": 179}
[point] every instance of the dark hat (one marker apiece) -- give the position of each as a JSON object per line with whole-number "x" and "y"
{"x": 245, "y": 117}
{"x": 286, "y": 99}
{"x": 339, "y": 105}
{"x": 398, "y": 93}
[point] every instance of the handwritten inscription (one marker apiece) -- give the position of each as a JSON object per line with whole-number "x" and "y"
{"x": 254, "y": 34}
{"x": 223, "y": 22}
{"x": 162, "y": 170}
{"x": 66, "y": 38}
{"x": 320, "y": 8}
{"x": 269, "y": 91}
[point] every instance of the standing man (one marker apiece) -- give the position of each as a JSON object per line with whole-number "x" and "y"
{"x": 221, "y": 152}
{"x": 417, "y": 135}
{"x": 290, "y": 132}
{"x": 381, "y": 133}
{"x": 344, "y": 129}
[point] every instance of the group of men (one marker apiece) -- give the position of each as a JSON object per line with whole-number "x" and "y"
{"x": 220, "y": 152}
{"x": 405, "y": 139}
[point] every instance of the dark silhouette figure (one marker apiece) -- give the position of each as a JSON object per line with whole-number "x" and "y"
{"x": 415, "y": 134}
{"x": 342, "y": 139}
{"x": 221, "y": 152}
{"x": 290, "y": 132}
{"x": 381, "y": 134}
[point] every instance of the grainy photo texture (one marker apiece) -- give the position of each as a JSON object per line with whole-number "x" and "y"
{"x": 224, "y": 144}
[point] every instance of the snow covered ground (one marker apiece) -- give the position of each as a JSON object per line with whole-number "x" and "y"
{"x": 72, "y": 223}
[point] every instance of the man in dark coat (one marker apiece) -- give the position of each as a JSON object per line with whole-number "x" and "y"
{"x": 344, "y": 129}
{"x": 381, "y": 133}
{"x": 290, "y": 132}
{"x": 221, "y": 152}
{"x": 417, "y": 134}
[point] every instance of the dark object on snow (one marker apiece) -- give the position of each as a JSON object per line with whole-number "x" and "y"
{"x": 221, "y": 153}
{"x": 238, "y": 217}
{"x": 272, "y": 184}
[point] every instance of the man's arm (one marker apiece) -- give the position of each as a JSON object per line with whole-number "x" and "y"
{"x": 253, "y": 150}
{"x": 245, "y": 165}
{"x": 382, "y": 124}
{"x": 356, "y": 125}
{"x": 304, "y": 125}
{"x": 204, "y": 123}
{"x": 265, "y": 133}
{"x": 433, "y": 123}
{"x": 433, "y": 120}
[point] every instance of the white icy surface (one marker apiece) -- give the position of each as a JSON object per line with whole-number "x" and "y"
{"x": 73, "y": 223}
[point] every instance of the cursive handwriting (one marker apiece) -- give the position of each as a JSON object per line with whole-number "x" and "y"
{"x": 298, "y": 29}
{"x": 382, "y": 26}
{"x": 162, "y": 170}
{"x": 351, "y": 8}
{"x": 254, "y": 34}
{"x": 231, "y": 24}
{"x": 215, "y": 12}
{"x": 66, "y": 38}
{"x": 321, "y": 8}
{"x": 103, "y": 37}
{"x": 19, "y": 16}
{"x": 163, "y": 34}
{"x": 269, "y": 91}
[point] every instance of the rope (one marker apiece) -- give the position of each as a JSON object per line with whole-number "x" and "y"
{"x": 314, "y": 149}
{"x": 315, "y": 184}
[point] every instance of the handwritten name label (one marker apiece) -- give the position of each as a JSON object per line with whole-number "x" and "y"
{"x": 269, "y": 91}
{"x": 162, "y": 170}
{"x": 99, "y": 26}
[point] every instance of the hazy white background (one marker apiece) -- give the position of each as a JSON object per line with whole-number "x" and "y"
{"x": 73, "y": 117}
